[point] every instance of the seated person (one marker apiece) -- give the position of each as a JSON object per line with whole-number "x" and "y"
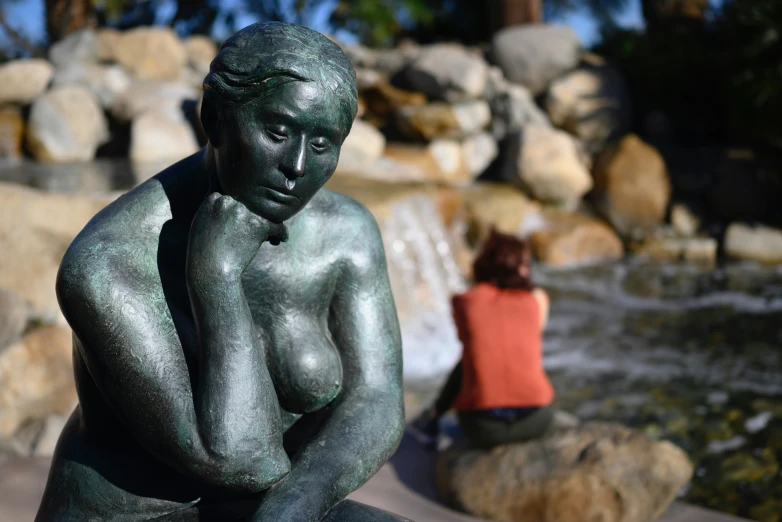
{"x": 499, "y": 388}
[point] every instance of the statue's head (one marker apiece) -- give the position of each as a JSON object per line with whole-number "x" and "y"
{"x": 279, "y": 101}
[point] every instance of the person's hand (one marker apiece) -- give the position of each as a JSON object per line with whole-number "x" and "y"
{"x": 225, "y": 236}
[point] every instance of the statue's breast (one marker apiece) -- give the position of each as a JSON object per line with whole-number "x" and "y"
{"x": 303, "y": 361}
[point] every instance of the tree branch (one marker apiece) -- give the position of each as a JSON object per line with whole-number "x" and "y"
{"x": 19, "y": 40}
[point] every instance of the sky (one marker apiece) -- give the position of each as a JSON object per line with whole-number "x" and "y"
{"x": 27, "y": 17}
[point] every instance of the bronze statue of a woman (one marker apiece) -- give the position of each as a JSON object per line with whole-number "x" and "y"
{"x": 221, "y": 378}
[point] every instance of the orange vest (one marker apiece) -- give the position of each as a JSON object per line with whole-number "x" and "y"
{"x": 502, "y": 362}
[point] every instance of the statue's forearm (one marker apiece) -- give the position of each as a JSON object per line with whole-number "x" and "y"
{"x": 238, "y": 413}
{"x": 361, "y": 433}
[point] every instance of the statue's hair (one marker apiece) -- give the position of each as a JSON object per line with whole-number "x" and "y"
{"x": 263, "y": 56}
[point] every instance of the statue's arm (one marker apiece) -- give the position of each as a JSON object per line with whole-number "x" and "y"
{"x": 365, "y": 423}
{"x": 218, "y": 434}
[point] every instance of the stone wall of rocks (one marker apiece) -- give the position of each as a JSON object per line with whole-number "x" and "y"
{"x": 533, "y": 110}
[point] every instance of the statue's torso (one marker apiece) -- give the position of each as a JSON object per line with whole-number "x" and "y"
{"x": 289, "y": 290}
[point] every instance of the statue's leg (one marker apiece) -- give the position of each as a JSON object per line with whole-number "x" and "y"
{"x": 350, "y": 511}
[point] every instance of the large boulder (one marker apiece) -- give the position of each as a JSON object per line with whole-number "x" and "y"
{"x": 590, "y": 102}
{"x": 107, "y": 43}
{"x": 758, "y": 243}
{"x": 21, "y": 81}
{"x": 591, "y": 473}
{"x": 440, "y": 161}
{"x": 561, "y": 239}
{"x": 632, "y": 188}
{"x": 146, "y": 96}
{"x": 362, "y": 147}
{"x": 535, "y": 55}
{"x": 512, "y": 106}
{"x": 66, "y": 124}
{"x": 383, "y": 99}
{"x": 201, "y": 50}
{"x": 11, "y": 132}
{"x": 35, "y": 230}
{"x": 162, "y": 136}
{"x": 13, "y": 318}
{"x": 443, "y": 120}
{"x": 105, "y": 81}
{"x": 79, "y": 47}
{"x": 151, "y": 53}
{"x": 448, "y": 72}
{"x": 551, "y": 167}
{"x": 37, "y": 377}
{"x": 496, "y": 205}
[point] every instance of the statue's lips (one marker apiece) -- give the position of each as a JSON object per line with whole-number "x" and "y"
{"x": 279, "y": 196}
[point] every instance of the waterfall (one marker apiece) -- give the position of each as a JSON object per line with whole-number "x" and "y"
{"x": 421, "y": 253}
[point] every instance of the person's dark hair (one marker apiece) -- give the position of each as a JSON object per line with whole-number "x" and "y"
{"x": 499, "y": 260}
{"x": 263, "y": 56}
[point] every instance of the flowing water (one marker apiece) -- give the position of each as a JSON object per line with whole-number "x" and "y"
{"x": 683, "y": 353}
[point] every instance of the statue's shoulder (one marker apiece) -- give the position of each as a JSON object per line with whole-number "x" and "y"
{"x": 113, "y": 253}
{"x": 345, "y": 216}
{"x": 353, "y": 230}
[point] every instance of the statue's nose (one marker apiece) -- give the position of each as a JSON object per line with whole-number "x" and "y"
{"x": 295, "y": 167}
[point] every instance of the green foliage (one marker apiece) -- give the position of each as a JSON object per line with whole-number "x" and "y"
{"x": 752, "y": 36}
{"x": 380, "y": 22}
{"x": 719, "y": 79}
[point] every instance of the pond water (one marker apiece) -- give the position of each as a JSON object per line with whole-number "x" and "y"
{"x": 687, "y": 354}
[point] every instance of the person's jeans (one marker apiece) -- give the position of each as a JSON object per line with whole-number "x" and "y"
{"x": 485, "y": 429}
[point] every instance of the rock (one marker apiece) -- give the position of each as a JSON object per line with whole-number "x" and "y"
{"x": 632, "y": 188}
{"x": 37, "y": 377}
{"x": 368, "y": 79}
{"x": 35, "y": 230}
{"x": 161, "y": 136}
{"x": 535, "y": 55}
{"x": 478, "y": 151}
{"x": 550, "y": 167}
{"x": 105, "y": 81}
{"x": 591, "y": 102}
{"x": 448, "y": 72}
{"x": 383, "y": 99}
{"x": 66, "y": 124}
{"x": 107, "y": 44}
{"x": 79, "y": 47}
{"x": 684, "y": 221}
{"x": 442, "y": 120}
{"x": 362, "y": 147}
{"x": 13, "y": 318}
{"x": 592, "y": 473}
{"x": 495, "y": 204}
{"x": 200, "y": 50}
{"x": 21, "y": 81}
{"x": 151, "y": 53}
{"x": 759, "y": 243}
{"x": 11, "y": 132}
{"x": 560, "y": 239}
{"x": 50, "y": 434}
{"x": 146, "y": 96}
{"x": 359, "y": 56}
{"x": 394, "y": 61}
{"x": 439, "y": 161}
{"x": 672, "y": 248}
{"x": 512, "y": 107}
{"x": 447, "y": 155}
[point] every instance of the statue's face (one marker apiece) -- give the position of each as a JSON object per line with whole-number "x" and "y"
{"x": 276, "y": 152}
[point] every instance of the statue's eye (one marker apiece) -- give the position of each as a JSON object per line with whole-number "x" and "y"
{"x": 277, "y": 133}
{"x": 319, "y": 144}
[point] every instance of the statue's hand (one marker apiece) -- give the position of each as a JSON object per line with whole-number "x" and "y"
{"x": 225, "y": 236}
